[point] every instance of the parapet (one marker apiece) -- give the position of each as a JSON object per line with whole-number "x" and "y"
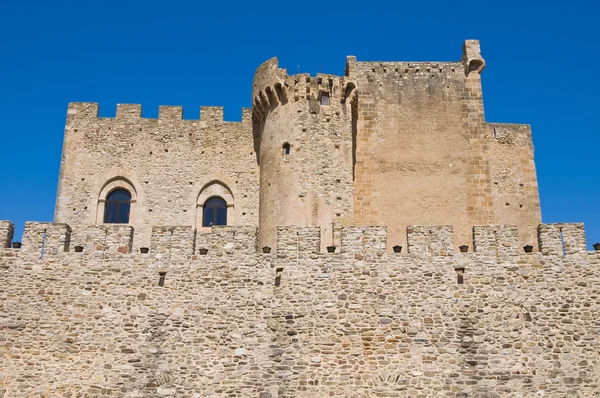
{"x": 272, "y": 86}
{"x": 227, "y": 240}
{"x": 112, "y": 238}
{"x": 496, "y": 239}
{"x": 511, "y": 134}
{"x": 292, "y": 240}
{"x": 434, "y": 240}
{"x": 363, "y": 240}
{"x": 46, "y": 238}
{"x": 167, "y": 242}
{"x": 7, "y": 230}
{"x": 170, "y": 241}
{"x": 87, "y": 111}
{"x": 562, "y": 239}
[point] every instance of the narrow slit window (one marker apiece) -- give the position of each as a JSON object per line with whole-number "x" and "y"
{"x": 286, "y": 148}
{"x": 161, "y": 278}
{"x": 278, "y": 277}
{"x": 324, "y": 99}
{"x": 460, "y": 276}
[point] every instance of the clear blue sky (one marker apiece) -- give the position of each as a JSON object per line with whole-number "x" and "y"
{"x": 541, "y": 58}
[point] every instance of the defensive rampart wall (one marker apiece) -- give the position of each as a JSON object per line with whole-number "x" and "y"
{"x": 297, "y": 322}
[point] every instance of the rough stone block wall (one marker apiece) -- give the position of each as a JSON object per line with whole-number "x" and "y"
{"x": 44, "y": 238}
{"x": 561, "y": 239}
{"x": 175, "y": 241}
{"x": 100, "y": 238}
{"x": 496, "y": 239}
{"x": 7, "y": 230}
{"x": 167, "y": 163}
{"x": 228, "y": 240}
{"x": 237, "y": 324}
{"x": 434, "y": 240}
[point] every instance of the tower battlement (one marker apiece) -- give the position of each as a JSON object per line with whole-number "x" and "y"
{"x": 78, "y": 111}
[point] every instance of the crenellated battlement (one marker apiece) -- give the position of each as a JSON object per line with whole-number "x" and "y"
{"x": 273, "y": 86}
{"x": 405, "y": 69}
{"x": 86, "y": 111}
{"x": 167, "y": 242}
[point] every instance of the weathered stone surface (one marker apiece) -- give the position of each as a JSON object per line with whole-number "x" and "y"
{"x": 519, "y": 324}
{"x": 306, "y": 292}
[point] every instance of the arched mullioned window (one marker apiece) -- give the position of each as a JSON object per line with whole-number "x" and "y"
{"x": 215, "y": 212}
{"x": 117, "y": 207}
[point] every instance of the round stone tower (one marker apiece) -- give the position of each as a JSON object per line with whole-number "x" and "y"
{"x": 303, "y": 136}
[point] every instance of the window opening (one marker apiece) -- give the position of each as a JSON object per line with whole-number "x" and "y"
{"x": 286, "y": 148}
{"x": 161, "y": 278}
{"x": 460, "y": 276}
{"x": 215, "y": 212}
{"x": 278, "y": 277}
{"x": 118, "y": 204}
{"x": 324, "y": 99}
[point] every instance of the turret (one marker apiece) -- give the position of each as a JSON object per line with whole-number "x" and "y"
{"x": 303, "y": 129}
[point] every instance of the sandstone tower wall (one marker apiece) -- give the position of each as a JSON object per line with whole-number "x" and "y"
{"x": 170, "y": 165}
{"x": 424, "y": 153}
{"x": 303, "y": 135}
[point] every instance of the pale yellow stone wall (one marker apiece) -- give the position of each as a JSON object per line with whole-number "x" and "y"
{"x": 424, "y": 153}
{"x": 361, "y": 322}
{"x": 170, "y": 165}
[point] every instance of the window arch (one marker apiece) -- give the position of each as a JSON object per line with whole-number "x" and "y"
{"x": 114, "y": 196}
{"x": 214, "y": 212}
{"x": 117, "y": 207}
{"x": 218, "y": 190}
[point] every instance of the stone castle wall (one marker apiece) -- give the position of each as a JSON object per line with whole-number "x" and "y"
{"x": 425, "y": 155}
{"x": 394, "y": 144}
{"x": 297, "y": 322}
{"x": 169, "y": 164}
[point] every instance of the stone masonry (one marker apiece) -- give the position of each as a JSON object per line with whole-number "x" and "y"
{"x": 382, "y": 240}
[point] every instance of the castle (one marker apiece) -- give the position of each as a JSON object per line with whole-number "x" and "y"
{"x": 368, "y": 235}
